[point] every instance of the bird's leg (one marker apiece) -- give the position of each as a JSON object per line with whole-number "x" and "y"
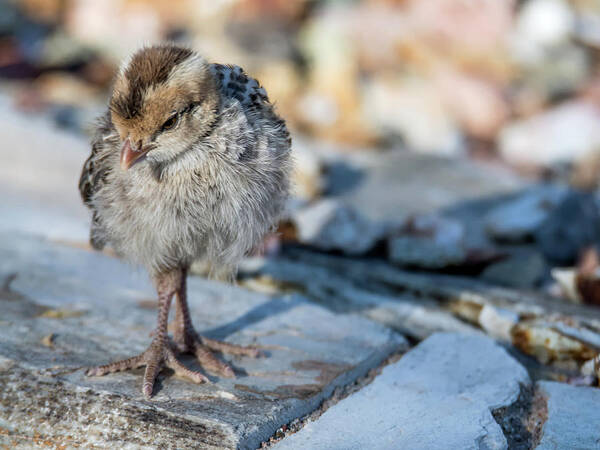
{"x": 159, "y": 354}
{"x": 187, "y": 340}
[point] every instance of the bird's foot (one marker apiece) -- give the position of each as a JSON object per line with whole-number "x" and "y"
{"x": 155, "y": 358}
{"x": 191, "y": 342}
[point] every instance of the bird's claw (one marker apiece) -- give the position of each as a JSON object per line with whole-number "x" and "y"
{"x": 190, "y": 342}
{"x": 155, "y": 358}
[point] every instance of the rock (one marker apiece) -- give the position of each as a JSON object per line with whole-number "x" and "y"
{"x": 429, "y": 242}
{"x": 417, "y": 318}
{"x": 409, "y": 315}
{"x": 438, "y": 183}
{"x": 587, "y": 30}
{"x": 573, "y": 226}
{"x": 565, "y": 133}
{"x": 572, "y": 416}
{"x": 522, "y": 270}
{"x": 65, "y": 89}
{"x": 307, "y": 178}
{"x": 545, "y": 22}
{"x": 566, "y": 282}
{"x": 39, "y": 173}
{"x": 117, "y": 30}
{"x": 410, "y": 109}
{"x": 434, "y": 242}
{"x": 329, "y": 225}
{"x": 96, "y": 311}
{"x": 517, "y": 219}
{"x": 497, "y": 322}
{"x": 439, "y": 395}
{"x": 543, "y": 339}
{"x": 534, "y": 323}
{"x": 477, "y": 104}
{"x": 551, "y": 65}
{"x": 330, "y": 106}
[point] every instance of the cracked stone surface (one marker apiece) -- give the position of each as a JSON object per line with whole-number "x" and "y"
{"x": 67, "y": 308}
{"x": 439, "y": 395}
{"x": 572, "y": 420}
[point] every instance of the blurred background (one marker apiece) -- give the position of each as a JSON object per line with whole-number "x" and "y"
{"x": 446, "y": 135}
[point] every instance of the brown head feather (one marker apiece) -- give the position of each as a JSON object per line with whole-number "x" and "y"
{"x": 148, "y": 67}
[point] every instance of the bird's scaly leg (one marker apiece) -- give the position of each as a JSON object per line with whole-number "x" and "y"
{"x": 187, "y": 340}
{"x": 159, "y": 354}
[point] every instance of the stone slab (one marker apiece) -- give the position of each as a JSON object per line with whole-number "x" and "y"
{"x": 39, "y": 174}
{"x": 572, "y": 417}
{"x": 392, "y": 185}
{"x": 439, "y": 395}
{"x": 66, "y": 308}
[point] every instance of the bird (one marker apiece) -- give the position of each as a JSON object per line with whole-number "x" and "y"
{"x": 190, "y": 161}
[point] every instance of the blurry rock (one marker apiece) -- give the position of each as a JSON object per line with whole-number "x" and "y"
{"x": 570, "y": 228}
{"x": 434, "y": 242}
{"x": 498, "y": 322}
{"x": 545, "y": 22}
{"x": 476, "y": 103}
{"x": 307, "y": 178}
{"x": 65, "y": 89}
{"x": 410, "y": 108}
{"x": 588, "y": 24}
{"x": 429, "y": 242}
{"x": 566, "y": 133}
{"x": 117, "y": 27}
{"x": 538, "y": 338}
{"x": 329, "y": 225}
{"x": 522, "y": 270}
{"x": 467, "y": 31}
{"x": 567, "y": 283}
{"x": 39, "y": 168}
{"x": 558, "y": 73}
{"x": 66, "y": 117}
{"x": 393, "y": 185}
{"x": 518, "y": 219}
{"x": 377, "y": 30}
{"x": 581, "y": 284}
{"x": 43, "y": 10}
{"x": 416, "y": 317}
{"x": 61, "y": 50}
{"x": 331, "y": 105}
{"x": 585, "y": 173}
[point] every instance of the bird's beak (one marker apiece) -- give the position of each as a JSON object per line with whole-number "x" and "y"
{"x": 130, "y": 154}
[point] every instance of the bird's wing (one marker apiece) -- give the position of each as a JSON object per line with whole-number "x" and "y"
{"x": 235, "y": 83}
{"x": 96, "y": 167}
{"x": 94, "y": 172}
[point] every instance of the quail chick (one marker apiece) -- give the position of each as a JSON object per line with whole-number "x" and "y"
{"x": 190, "y": 161}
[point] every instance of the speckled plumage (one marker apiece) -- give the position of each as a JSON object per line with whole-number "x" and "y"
{"x": 214, "y": 197}
{"x": 190, "y": 161}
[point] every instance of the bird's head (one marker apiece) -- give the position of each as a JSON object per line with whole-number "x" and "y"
{"x": 164, "y": 99}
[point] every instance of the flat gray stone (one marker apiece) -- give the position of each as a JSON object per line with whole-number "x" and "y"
{"x": 417, "y": 317}
{"x": 433, "y": 243}
{"x": 329, "y": 225}
{"x": 437, "y": 396}
{"x": 39, "y": 173}
{"x": 572, "y": 417}
{"x": 522, "y": 270}
{"x": 67, "y": 308}
{"x": 392, "y": 185}
{"x": 518, "y": 219}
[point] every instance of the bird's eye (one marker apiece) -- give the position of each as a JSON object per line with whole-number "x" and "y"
{"x": 170, "y": 122}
